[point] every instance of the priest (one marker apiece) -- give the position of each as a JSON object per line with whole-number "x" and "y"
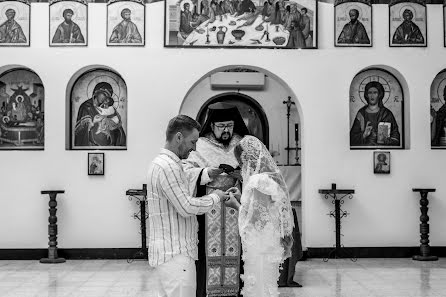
{"x": 219, "y": 250}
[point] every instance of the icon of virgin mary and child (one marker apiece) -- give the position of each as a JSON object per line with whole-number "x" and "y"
{"x": 98, "y": 123}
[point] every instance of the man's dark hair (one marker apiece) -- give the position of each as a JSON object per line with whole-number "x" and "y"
{"x": 10, "y": 10}
{"x": 181, "y": 123}
{"x": 409, "y": 12}
{"x": 355, "y": 11}
{"x": 67, "y": 11}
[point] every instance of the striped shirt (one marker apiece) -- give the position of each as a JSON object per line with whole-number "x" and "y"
{"x": 173, "y": 224}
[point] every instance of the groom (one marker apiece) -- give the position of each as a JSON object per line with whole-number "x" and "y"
{"x": 172, "y": 212}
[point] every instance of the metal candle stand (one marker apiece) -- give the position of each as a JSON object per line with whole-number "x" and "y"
{"x": 52, "y": 229}
{"x": 338, "y": 198}
{"x": 140, "y": 197}
{"x": 424, "y": 227}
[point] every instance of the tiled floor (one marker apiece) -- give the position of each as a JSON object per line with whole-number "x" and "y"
{"x": 117, "y": 278}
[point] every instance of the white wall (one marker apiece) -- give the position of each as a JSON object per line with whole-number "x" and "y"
{"x": 94, "y": 212}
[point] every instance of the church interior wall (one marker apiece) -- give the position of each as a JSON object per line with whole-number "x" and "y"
{"x": 94, "y": 211}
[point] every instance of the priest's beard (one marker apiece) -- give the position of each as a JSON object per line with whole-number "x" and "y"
{"x": 225, "y": 138}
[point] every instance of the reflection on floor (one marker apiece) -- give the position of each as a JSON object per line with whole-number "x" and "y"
{"x": 337, "y": 278}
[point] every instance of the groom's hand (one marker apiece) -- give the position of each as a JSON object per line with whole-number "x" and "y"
{"x": 223, "y": 196}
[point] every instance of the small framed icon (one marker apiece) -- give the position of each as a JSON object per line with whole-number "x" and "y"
{"x": 381, "y": 162}
{"x": 96, "y": 163}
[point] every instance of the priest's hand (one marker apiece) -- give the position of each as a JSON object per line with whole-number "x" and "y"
{"x": 232, "y": 202}
{"x": 236, "y": 192}
{"x": 213, "y": 172}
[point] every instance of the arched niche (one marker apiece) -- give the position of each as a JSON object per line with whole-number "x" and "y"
{"x": 96, "y": 110}
{"x": 379, "y": 109}
{"x": 438, "y": 111}
{"x": 22, "y": 109}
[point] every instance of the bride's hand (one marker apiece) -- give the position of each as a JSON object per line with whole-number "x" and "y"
{"x": 236, "y": 192}
{"x": 232, "y": 202}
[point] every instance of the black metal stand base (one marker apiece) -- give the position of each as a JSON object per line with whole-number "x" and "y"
{"x": 424, "y": 258}
{"x": 340, "y": 253}
{"x": 52, "y": 261}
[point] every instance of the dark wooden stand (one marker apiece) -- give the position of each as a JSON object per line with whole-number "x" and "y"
{"x": 141, "y": 200}
{"x": 52, "y": 229}
{"x": 424, "y": 227}
{"x": 338, "y": 198}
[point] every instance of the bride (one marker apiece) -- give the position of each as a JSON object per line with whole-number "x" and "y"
{"x": 265, "y": 218}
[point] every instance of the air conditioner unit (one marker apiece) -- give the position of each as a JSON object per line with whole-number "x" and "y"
{"x": 238, "y": 80}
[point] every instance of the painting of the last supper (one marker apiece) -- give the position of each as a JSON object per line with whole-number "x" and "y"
{"x": 241, "y": 23}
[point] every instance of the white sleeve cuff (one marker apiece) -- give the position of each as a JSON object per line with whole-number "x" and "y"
{"x": 215, "y": 197}
{"x": 205, "y": 177}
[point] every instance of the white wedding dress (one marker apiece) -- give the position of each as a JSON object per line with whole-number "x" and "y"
{"x": 265, "y": 220}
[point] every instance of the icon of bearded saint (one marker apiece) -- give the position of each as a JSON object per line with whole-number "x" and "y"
{"x": 68, "y": 31}
{"x": 126, "y": 31}
{"x": 408, "y": 32}
{"x": 10, "y": 30}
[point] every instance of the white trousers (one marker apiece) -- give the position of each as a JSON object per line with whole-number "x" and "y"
{"x": 177, "y": 277}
